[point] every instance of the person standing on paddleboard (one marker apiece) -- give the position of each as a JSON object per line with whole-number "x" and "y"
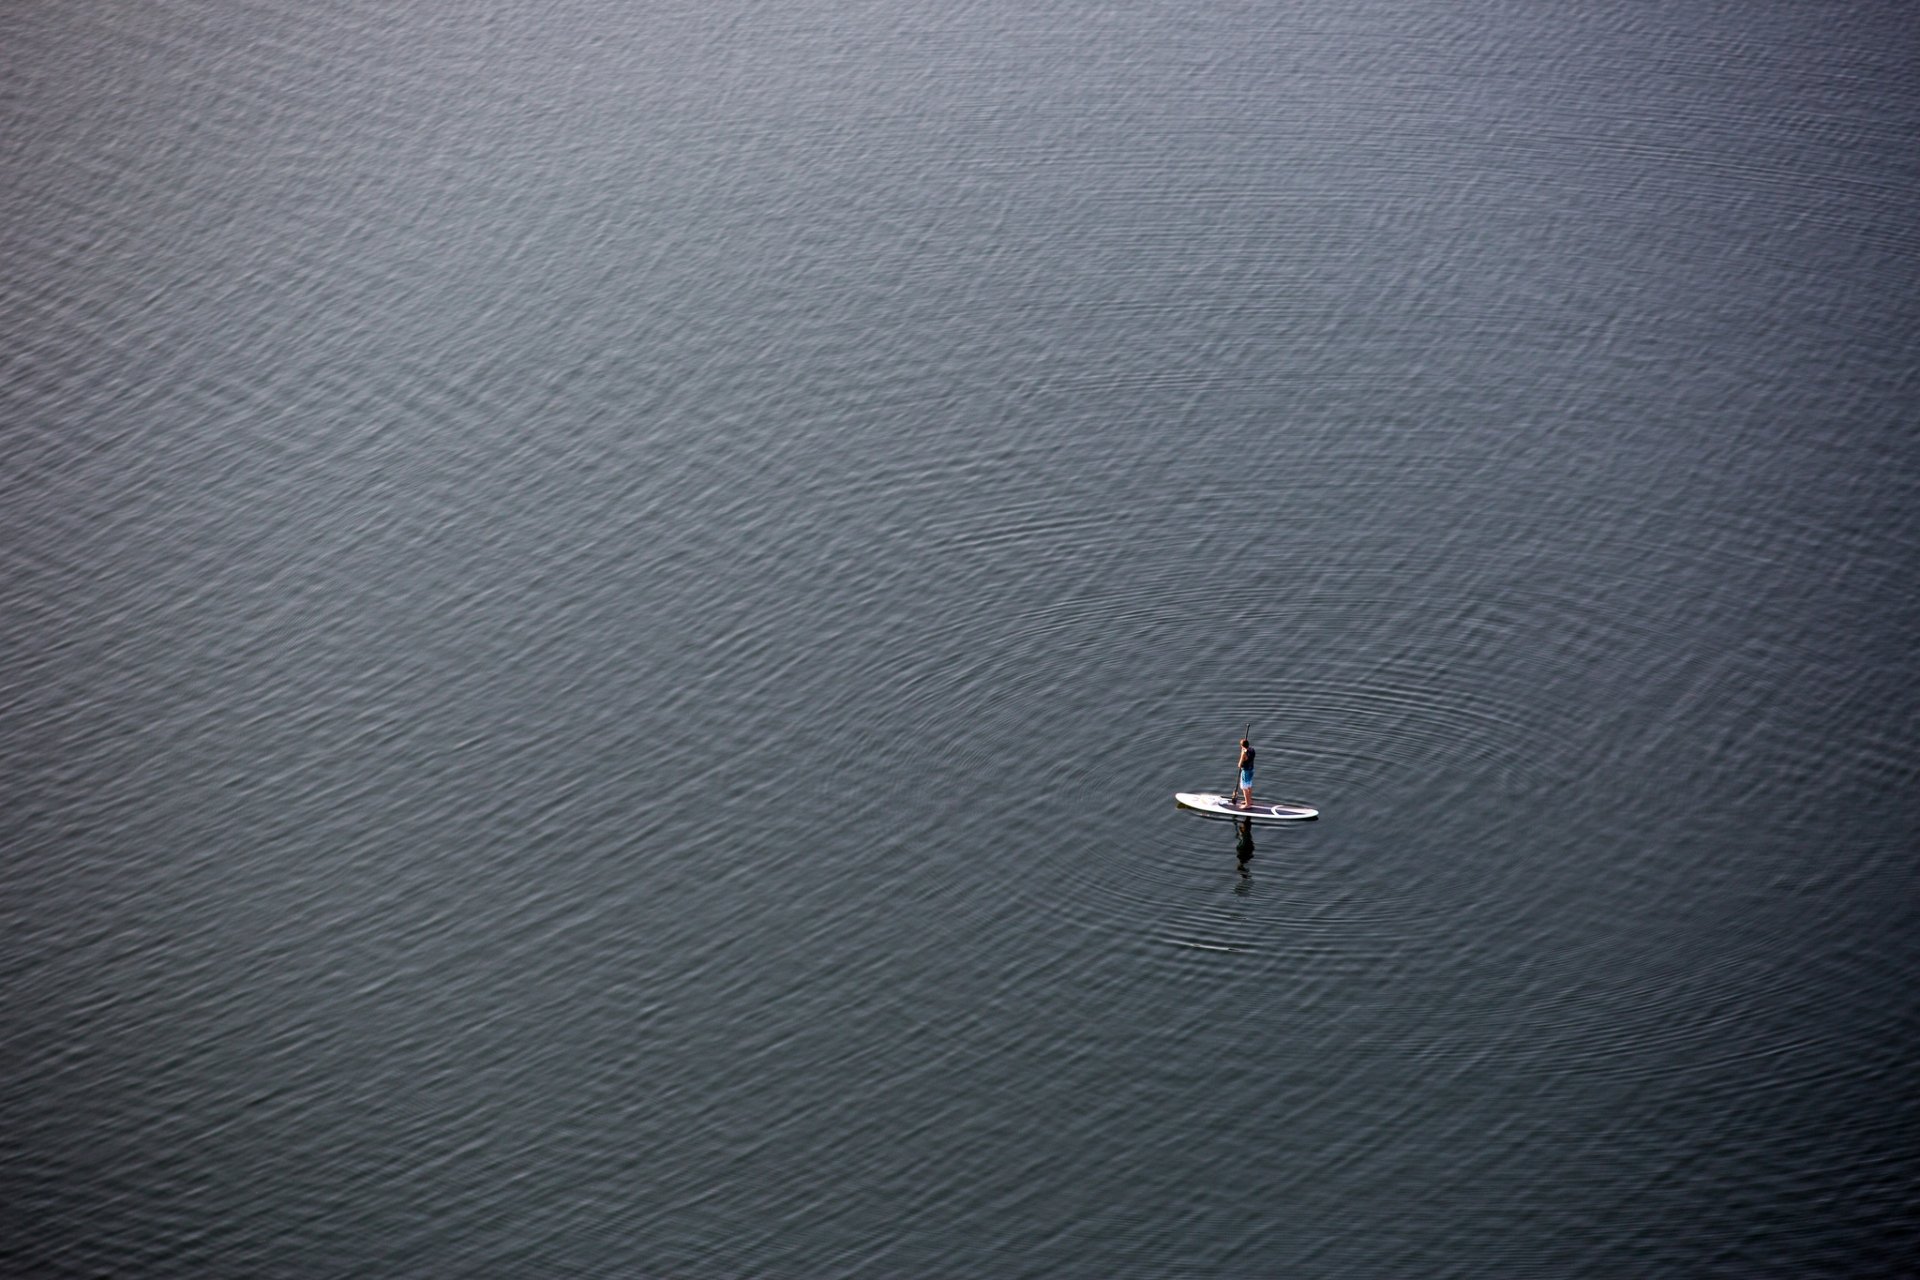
{"x": 1243, "y": 794}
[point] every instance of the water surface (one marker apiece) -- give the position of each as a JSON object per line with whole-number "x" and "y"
{"x": 604, "y": 605}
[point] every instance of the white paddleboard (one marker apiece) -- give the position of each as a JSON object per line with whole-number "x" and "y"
{"x": 1209, "y": 805}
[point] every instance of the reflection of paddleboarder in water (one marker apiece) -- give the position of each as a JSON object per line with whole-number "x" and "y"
{"x": 1243, "y": 794}
{"x": 1243, "y": 840}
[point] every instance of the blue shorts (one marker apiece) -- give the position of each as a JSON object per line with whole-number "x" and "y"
{"x": 1246, "y": 779}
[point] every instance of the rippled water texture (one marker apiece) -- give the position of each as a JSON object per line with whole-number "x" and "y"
{"x": 603, "y": 605}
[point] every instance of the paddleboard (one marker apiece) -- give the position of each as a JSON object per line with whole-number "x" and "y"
{"x": 1209, "y": 805}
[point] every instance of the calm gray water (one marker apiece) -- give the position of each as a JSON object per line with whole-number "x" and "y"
{"x": 603, "y": 603}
